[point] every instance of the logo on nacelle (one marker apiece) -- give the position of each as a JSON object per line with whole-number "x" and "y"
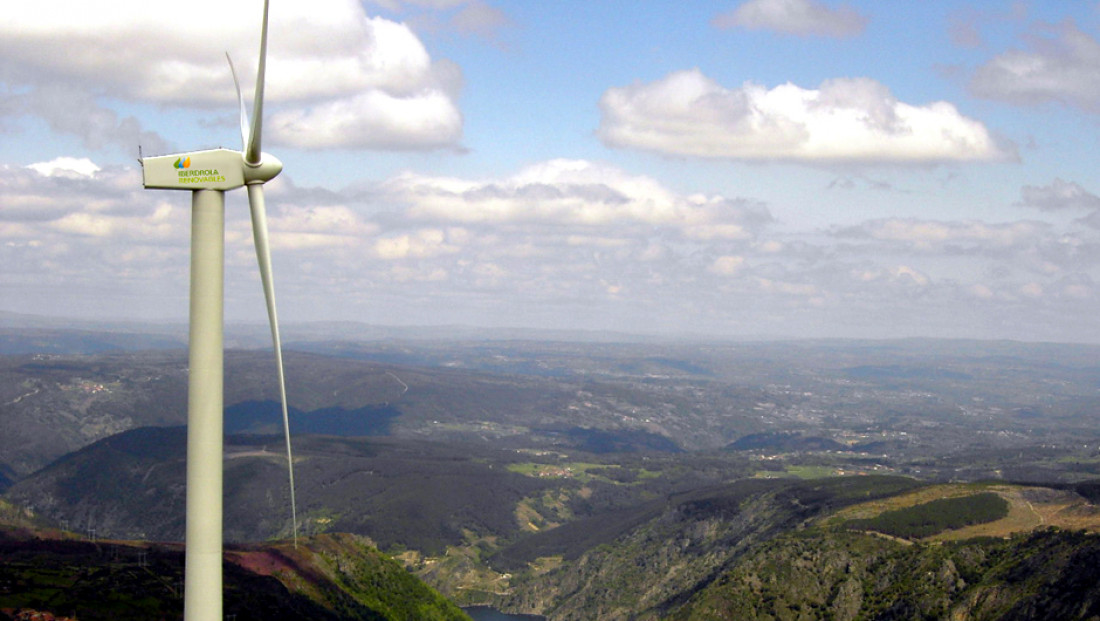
{"x": 183, "y": 162}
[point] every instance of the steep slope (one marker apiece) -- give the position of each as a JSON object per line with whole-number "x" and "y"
{"x": 1046, "y": 575}
{"x": 757, "y": 549}
{"x": 643, "y": 564}
{"x": 347, "y": 574}
{"x": 329, "y": 578}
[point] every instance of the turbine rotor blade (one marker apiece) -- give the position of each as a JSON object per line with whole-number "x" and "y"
{"x": 240, "y": 98}
{"x": 263, "y": 256}
{"x": 252, "y": 148}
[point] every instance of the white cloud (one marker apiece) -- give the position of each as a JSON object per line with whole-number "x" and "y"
{"x": 797, "y": 17}
{"x": 1062, "y": 65}
{"x": 376, "y": 119}
{"x": 851, "y": 119}
{"x": 72, "y": 166}
{"x": 326, "y": 57}
{"x": 146, "y": 51}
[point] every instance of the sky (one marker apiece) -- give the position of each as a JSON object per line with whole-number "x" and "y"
{"x": 747, "y": 169}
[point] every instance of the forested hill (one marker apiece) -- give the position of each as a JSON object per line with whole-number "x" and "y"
{"x": 1048, "y": 575}
{"x": 862, "y": 547}
{"x": 842, "y": 549}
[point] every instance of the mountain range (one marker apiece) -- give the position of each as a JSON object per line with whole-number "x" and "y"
{"x": 583, "y": 480}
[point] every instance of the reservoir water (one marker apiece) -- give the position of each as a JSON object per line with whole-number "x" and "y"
{"x": 485, "y": 613}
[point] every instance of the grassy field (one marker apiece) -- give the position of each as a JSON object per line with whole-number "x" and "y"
{"x": 570, "y": 470}
{"x": 799, "y": 472}
{"x": 1029, "y": 508}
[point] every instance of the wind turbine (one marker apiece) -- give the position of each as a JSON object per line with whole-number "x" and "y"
{"x": 208, "y": 175}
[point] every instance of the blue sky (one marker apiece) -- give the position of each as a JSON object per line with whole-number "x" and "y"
{"x": 805, "y": 168}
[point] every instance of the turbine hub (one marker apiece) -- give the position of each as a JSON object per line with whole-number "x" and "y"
{"x": 266, "y": 170}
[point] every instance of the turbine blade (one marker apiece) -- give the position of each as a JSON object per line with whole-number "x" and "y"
{"x": 252, "y": 149}
{"x": 263, "y": 256}
{"x": 240, "y": 98}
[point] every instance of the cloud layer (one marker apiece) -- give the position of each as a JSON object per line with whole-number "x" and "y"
{"x": 553, "y": 244}
{"x": 849, "y": 119}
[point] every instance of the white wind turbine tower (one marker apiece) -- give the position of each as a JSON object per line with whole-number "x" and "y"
{"x": 208, "y": 174}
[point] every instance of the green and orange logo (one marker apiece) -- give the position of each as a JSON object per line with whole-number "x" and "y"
{"x": 182, "y": 163}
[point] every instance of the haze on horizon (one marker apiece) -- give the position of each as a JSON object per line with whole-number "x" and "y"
{"x": 803, "y": 168}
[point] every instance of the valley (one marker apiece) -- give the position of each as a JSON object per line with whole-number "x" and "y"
{"x": 610, "y": 480}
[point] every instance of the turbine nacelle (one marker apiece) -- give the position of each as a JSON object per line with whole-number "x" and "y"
{"x": 214, "y": 169}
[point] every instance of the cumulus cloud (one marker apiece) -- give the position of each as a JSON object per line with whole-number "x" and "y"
{"x": 74, "y": 166}
{"x": 850, "y": 119}
{"x": 796, "y": 17}
{"x": 576, "y": 193}
{"x": 377, "y": 119}
{"x": 1061, "y": 64}
{"x": 330, "y": 64}
{"x": 1058, "y": 195}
